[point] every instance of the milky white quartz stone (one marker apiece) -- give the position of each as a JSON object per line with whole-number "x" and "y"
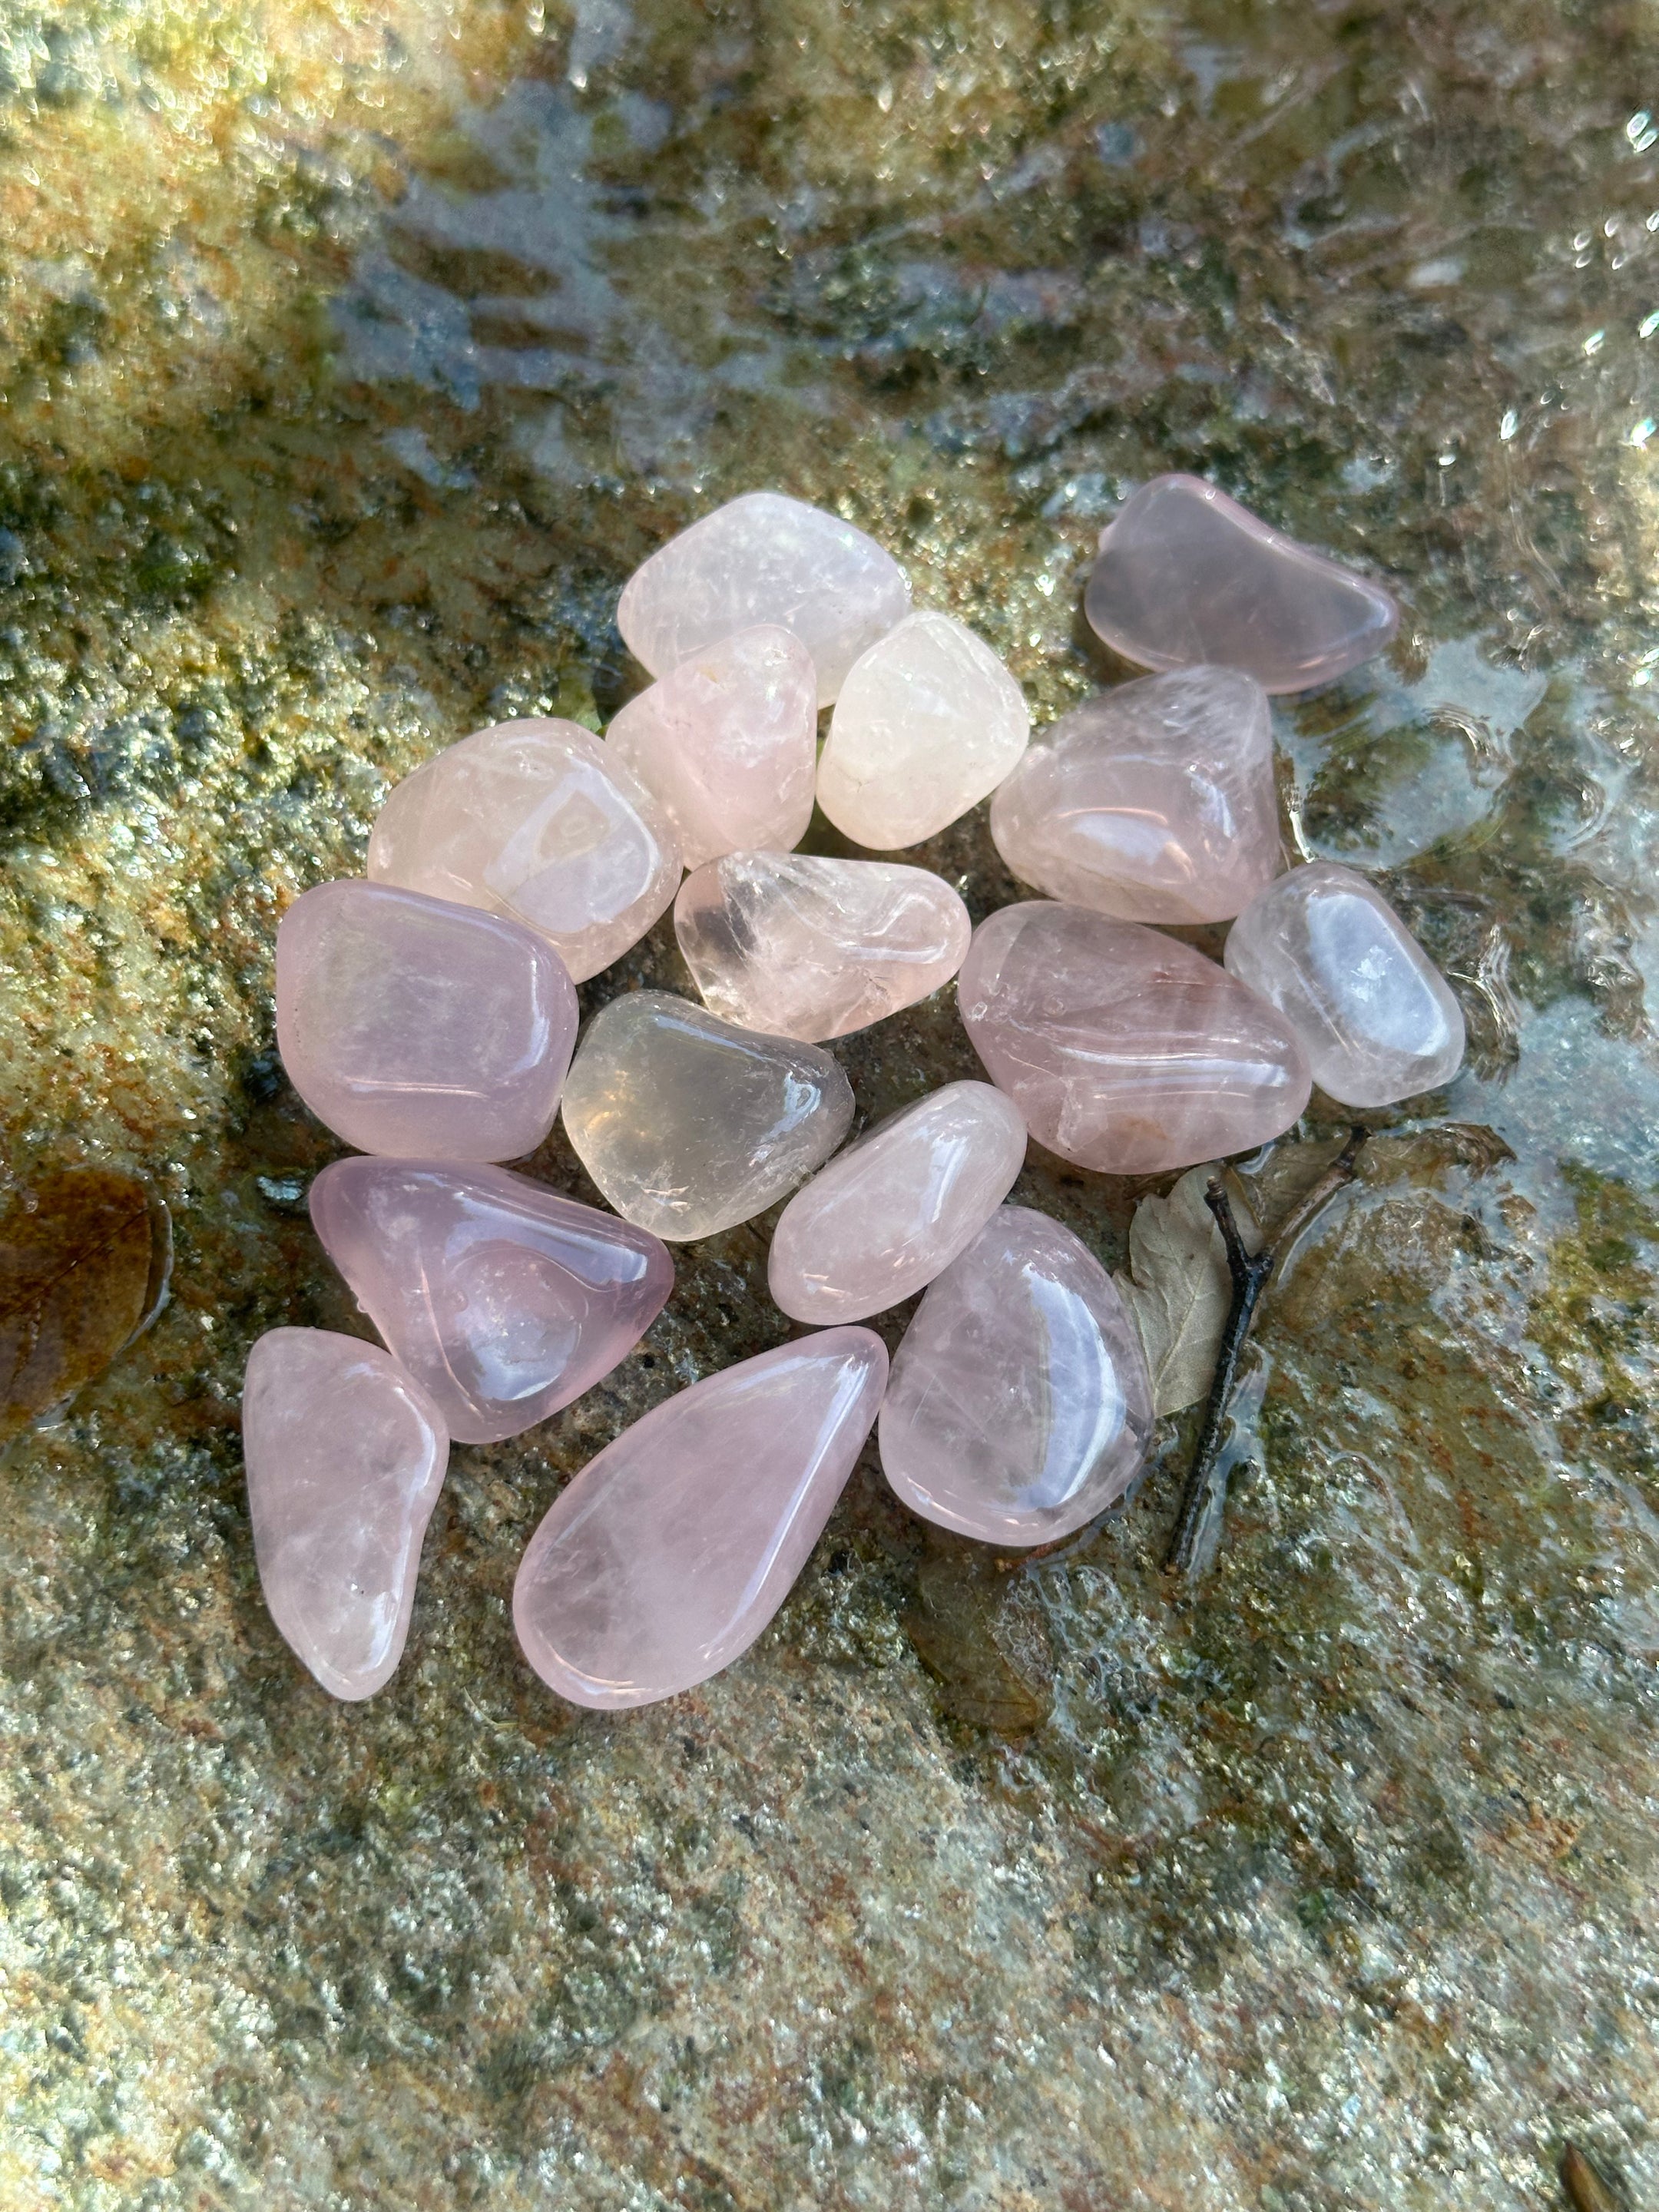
{"x": 1371, "y": 1010}
{"x": 764, "y": 559}
{"x": 928, "y": 721}
{"x": 538, "y": 820}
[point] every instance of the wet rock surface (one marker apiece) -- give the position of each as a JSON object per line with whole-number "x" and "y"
{"x": 351, "y": 362}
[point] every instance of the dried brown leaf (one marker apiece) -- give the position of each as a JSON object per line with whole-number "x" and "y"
{"x": 1586, "y": 2189}
{"x": 84, "y": 1256}
{"x": 984, "y": 1638}
{"x": 1177, "y": 1286}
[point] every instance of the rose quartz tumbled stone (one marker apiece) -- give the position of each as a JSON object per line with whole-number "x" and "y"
{"x": 928, "y": 721}
{"x": 668, "y": 1553}
{"x": 345, "y": 1456}
{"x": 1186, "y": 574}
{"x": 764, "y": 559}
{"x": 1126, "y": 1051}
{"x": 1020, "y": 1406}
{"x": 814, "y": 948}
{"x": 880, "y": 1221}
{"x": 728, "y": 743}
{"x": 1374, "y": 1015}
{"x": 1155, "y": 802}
{"x": 504, "y": 1300}
{"x": 538, "y": 821}
{"x": 413, "y": 1026}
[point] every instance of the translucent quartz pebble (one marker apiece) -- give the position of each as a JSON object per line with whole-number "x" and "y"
{"x": 345, "y": 1456}
{"x": 928, "y": 722}
{"x": 504, "y": 1300}
{"x": 688, "y": 1125}
{"x": 880, "y": 1221}
{"x": 1186, "y": 574}
{"x": 1374, "y": 1016}
{"x": 1126, "y": 1051}
{"x": 668, "y": 1553}
{"x": 1155, "y": 802}
{"x": 764, "y": 559}
{"x": 1020, "y": 1406}
{"x": 728, "y": 743}
{"x": 814, "y": 948}
{"x": 537, "y": 820}
{"x": 414, "y": 1027}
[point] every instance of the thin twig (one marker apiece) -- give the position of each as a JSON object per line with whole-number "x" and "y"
{"x": 1250, "y": 1272}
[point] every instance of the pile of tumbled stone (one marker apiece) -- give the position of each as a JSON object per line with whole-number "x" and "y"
{"x": 428, "y": 1015}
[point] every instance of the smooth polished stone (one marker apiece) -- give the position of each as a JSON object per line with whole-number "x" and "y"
{"x": 1373, "y": 1013}
{"x": 728, "y": 743}
{"x": 878, "y": 1224}
{"x": 928, "y": 721}
{"x": 1020, "y": 1406}
{"x": 668, "y": 1553}
{"x": 538, "y": 821}
{"x": 807, "y": 947}
{"x": 504, "y": 1300}
{"x": 414, "y": 1027}
{"x": 1155, "y": 802}
{"x": 1126, "y": 1051}
{"x": 1186, "y": 574}
{"x": 689, "y": 1125}
{"x": 345, "y": 1456}
{"x": 764, "y": 559}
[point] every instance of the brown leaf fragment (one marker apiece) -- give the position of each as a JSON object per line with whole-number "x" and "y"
{"x": 985, "y": 1639}
{"x": 1586, "y": 2191}
{"x": 1177, "y": 1288}
{"x": 84, "y": 1258}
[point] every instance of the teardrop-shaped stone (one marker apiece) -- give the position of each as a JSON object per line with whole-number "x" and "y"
{"x": 728, "y": 743}
{"x": 415, "y": 1027}
{"x": 1020, "y": 1406}
{"x": 1155, "y": 802}
{"x": 688, "y": 1125}
{"x": 1374, "y": 1015}
{"x": 1126, "y": 1050}
{"x": 537, "y": 820}
{"x": 345, "y": 1456}
{"x": 764, "y": 559}
{"x": 668, "y": 1553}
{"x": 807, "y": 947}
{"x": 504, "y": 1300}
{"x": 1186, "y": 574}
{"x": 882, "y": 1220}
{"x": 928, "y": 722}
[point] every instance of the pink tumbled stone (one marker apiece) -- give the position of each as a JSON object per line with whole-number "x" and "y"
{"x": 764, "y": 559}
{"x": 345, "y": 1456}
{"x": 1155, "y": 802}
{"x": 884, "y": 1218}
{"x": 414, "y": 1027}
{"x": 1186, "y": 574}
{"x": 728, "y": 743}
{"x": 1126, "y": 1051}
{"x": 1020, "y": 1406}
{"x": 504, "y": 1300}
{"x": 539, "y": 821}
{"x": 668, "y": 1553}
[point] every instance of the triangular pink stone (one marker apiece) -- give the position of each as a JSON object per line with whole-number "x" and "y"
{"x": 505, "y": 1300}
{"x": 345, "y": 1456}
{"x": 668, "y": 1555}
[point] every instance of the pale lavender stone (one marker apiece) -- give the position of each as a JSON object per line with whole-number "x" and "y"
{"x": 1020, "y": 1406}
{"x": 539, "y": 821}
{"x": 414, "y": 1027}
{"x": 1374, "y": 1015}
{"x": 504, "y": 1300}
{"x": 882, "y": 1220}
{"x": 1126, "y": 1050}
{"x": 670, "y": 1552}
{"x": 1155, "y": 802}
{"x": 727, "y": 744}
{"x": 345, "y": 1456}
{"x": 764, "y": 559}
{"x": 1186, "y": 574}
